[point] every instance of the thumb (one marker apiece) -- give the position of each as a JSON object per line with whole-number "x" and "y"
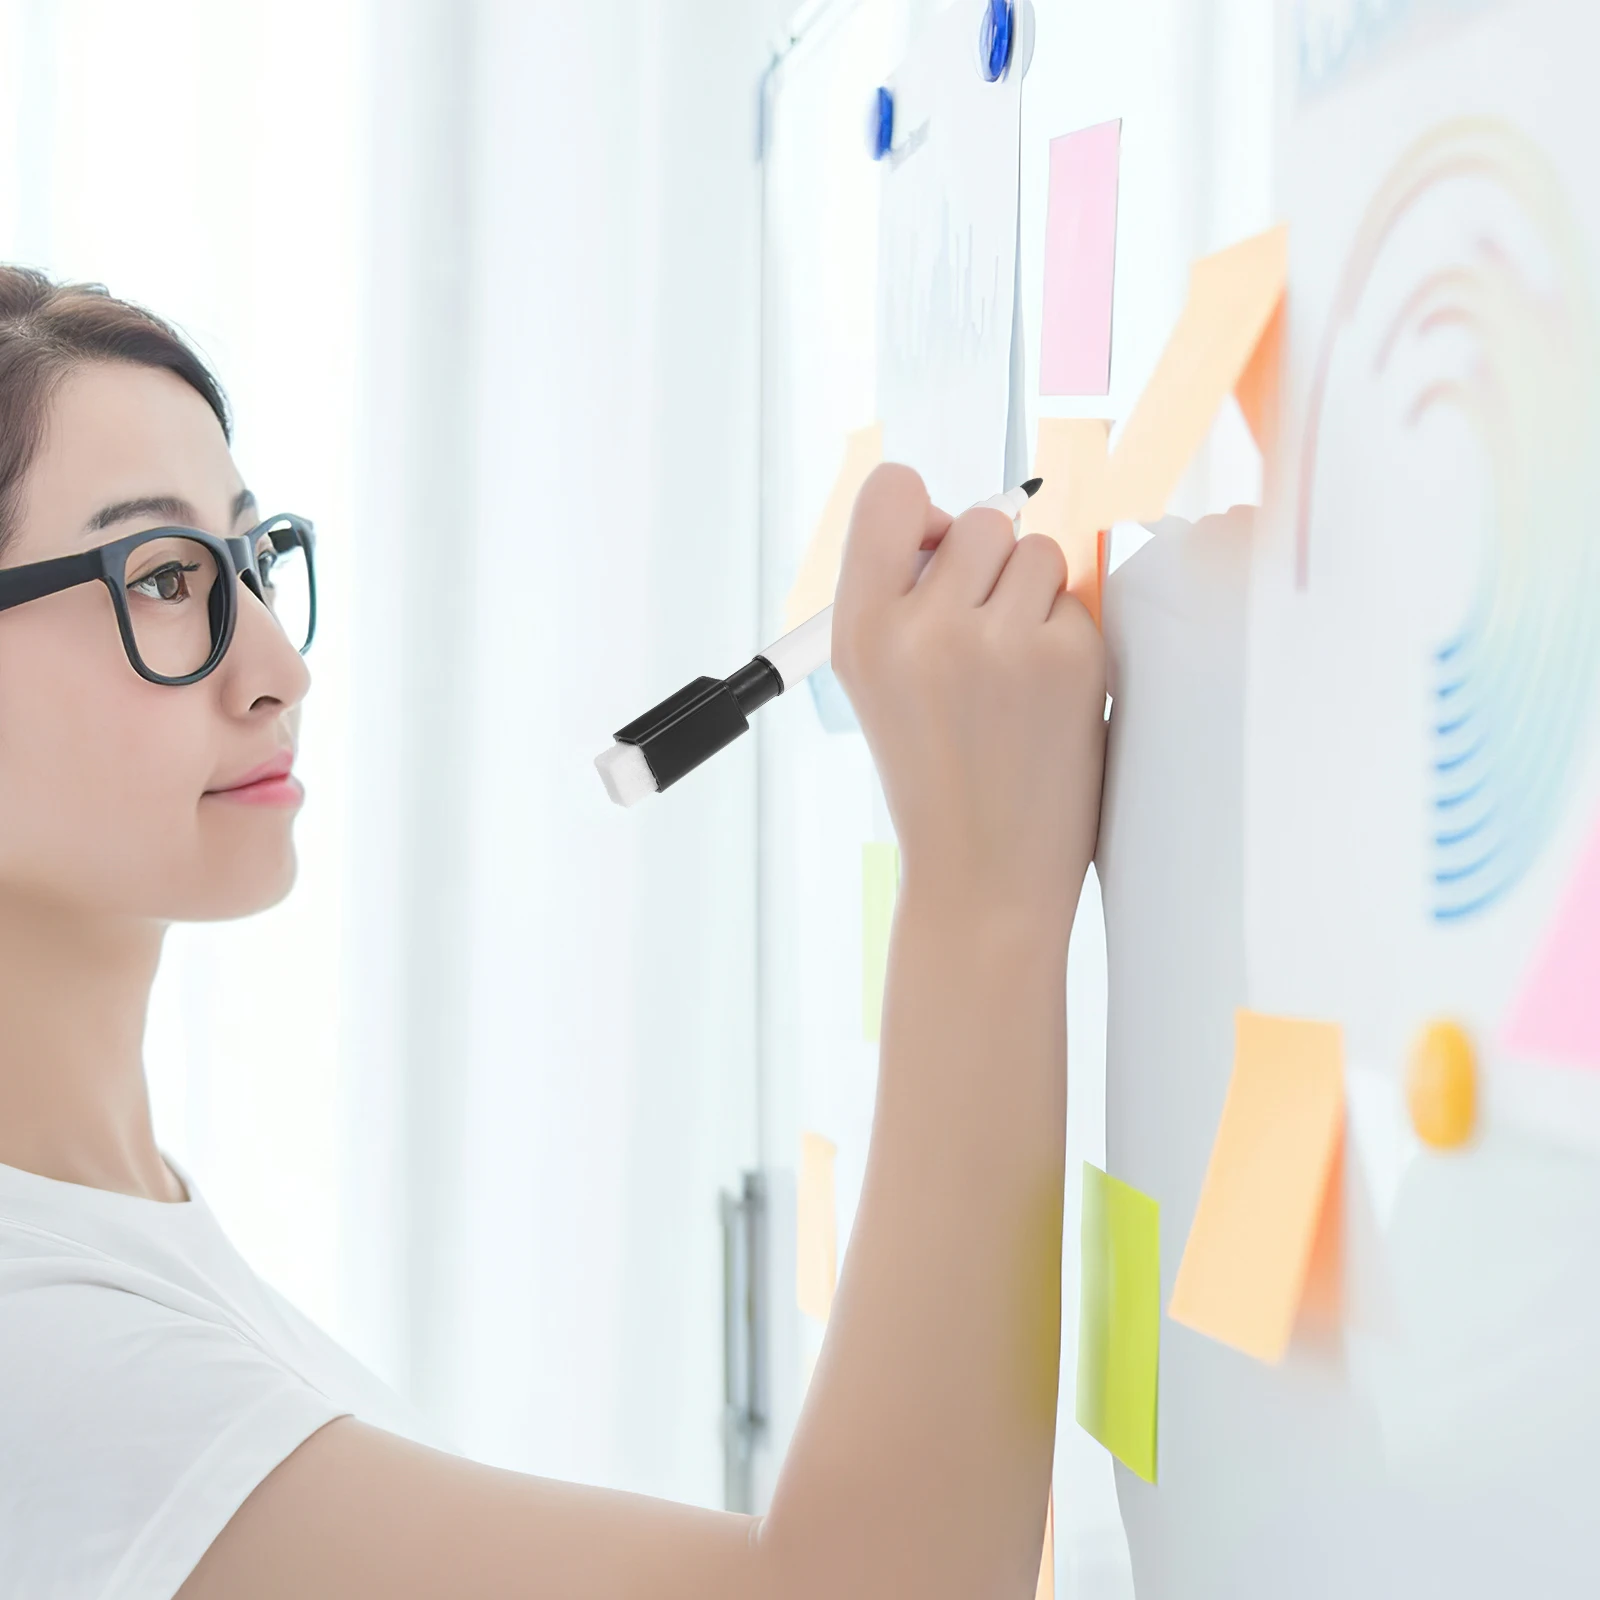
{"x": 892, "y": 521}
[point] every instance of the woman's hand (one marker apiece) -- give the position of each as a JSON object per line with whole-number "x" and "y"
{"x": 981, "y": 690}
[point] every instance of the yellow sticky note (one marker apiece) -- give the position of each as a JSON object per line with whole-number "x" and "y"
{"x": 817, "y": 1242}
{"x": 1045, "y": 1589}
{"x": 880, "y": 882}
{"x": 819, "y": 567}
{"x": 1119, "y": 1319}
{"x": 1227, "y": 339}
{"x": 1273, "y": 1176}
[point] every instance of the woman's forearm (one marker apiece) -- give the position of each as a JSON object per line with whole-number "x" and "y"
{"x": 922, "y": 1460}
{"x": 921, "y": 1464}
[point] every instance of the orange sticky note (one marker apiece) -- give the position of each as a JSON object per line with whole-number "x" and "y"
{"x": 818, "y": 574}
{"x": 1232, "y": 297}
{"x": 816, "y": 1243}
{"x": 1257, "y": 388}
{"x": 1272, "y": 1180}
{"x": 1073, "y": 504}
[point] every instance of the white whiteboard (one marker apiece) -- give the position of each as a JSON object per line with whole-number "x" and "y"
{"x": 1440, "y": 1444}
{"x": 1181, "y": 195}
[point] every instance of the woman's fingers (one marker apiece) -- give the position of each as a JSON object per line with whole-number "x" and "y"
{"x": 970, "y": 558}
{"x": 1034, "y": 575}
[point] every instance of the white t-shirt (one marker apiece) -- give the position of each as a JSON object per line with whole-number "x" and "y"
{"x": 149, "y": 1380}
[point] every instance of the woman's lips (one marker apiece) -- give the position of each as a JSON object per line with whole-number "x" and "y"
{"x": 284, "y": 791}
{"x": 270, "y": 784}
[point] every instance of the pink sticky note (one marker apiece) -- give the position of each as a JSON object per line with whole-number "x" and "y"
{"x": 1557, "y": 1015}
{"x": 1080, "y": 246}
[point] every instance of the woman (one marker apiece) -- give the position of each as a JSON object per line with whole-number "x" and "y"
{"x": 170, "y": 1426}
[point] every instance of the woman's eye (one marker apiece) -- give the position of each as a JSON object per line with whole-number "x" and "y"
{"x": 266, "y": 561}
{"x": 166, "y": 583}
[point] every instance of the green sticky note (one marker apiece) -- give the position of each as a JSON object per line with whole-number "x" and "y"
{"x": 1119, "y": 1319}
{"x": 880, "y": 881}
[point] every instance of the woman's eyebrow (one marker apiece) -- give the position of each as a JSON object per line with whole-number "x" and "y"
{"x": 161, "y": 505}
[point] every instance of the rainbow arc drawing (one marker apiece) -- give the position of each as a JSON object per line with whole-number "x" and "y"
{"x": 1500, "y": 333}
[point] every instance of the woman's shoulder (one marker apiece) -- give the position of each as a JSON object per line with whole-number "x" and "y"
{"x": 125, "y": 1283}
{"x": 58, "y": 1236}
{"x": 136, "y": 1414}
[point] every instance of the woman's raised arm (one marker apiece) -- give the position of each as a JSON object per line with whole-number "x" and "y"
{"x": 922, "y": 1458}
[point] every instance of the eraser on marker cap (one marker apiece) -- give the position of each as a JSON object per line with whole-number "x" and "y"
{"x": 625, "y": 773}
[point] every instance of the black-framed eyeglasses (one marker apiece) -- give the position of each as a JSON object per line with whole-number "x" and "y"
{"x": 176, "y": 590}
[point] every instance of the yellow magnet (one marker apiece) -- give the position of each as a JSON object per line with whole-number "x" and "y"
{"x": 1441, "y": 1085}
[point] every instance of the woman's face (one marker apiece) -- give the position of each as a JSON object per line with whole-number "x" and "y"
{"x": 110, "y": 786}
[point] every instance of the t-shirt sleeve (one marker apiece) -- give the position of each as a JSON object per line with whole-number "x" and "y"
{"x": 131, "y": 1433}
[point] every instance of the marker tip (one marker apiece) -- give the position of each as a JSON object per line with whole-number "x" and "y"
{"x": 1033, "y": 486}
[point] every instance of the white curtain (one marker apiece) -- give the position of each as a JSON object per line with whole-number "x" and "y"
{"x": 480, "y": 279}
{"x": 205, "y": 160}
{"x": 553, "y": 998}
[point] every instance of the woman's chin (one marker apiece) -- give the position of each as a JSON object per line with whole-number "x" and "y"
{"x": 246, "y": 888}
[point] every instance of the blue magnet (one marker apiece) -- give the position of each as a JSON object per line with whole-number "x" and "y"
{"x": 880, "y": 124}
{"x": 994, "y": 38}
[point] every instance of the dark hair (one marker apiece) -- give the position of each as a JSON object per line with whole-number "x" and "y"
{"x": 49, "y": 329}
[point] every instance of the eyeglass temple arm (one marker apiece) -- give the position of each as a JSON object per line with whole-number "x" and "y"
{"x": 19, "y": 585}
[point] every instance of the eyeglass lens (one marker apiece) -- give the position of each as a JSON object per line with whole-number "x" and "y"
{"x": 286, "y": 581}
{"x": 175, "y": 603}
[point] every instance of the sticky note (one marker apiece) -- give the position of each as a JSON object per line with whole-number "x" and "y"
{"x": 1232, "y": 297}
{"x": 818, "y": 574}
{"x": 831, "y": 703}
{"x": 1257, "y": 388}
{"x": 1232, "y": 305}
{"x": 1071, "y": 458}
{"x": 880, "y": 882}
{"x": 1272, "y": 1177}
{"x": 1119, "y": 1319}
{"x": 816, "y": 1236}
{"x": 1556, "y": 1017}
{"x": 1321, "y": 1307}
{"x": 1045, "y": 1589}
{"x": 1080, "y": 246}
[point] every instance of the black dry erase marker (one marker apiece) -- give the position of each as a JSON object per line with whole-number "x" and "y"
{"x": 689, "y": 727}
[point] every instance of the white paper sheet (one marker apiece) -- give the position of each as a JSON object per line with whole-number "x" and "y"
{"x": 1423, "y": 752}
{"x": 947, "y": 263}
